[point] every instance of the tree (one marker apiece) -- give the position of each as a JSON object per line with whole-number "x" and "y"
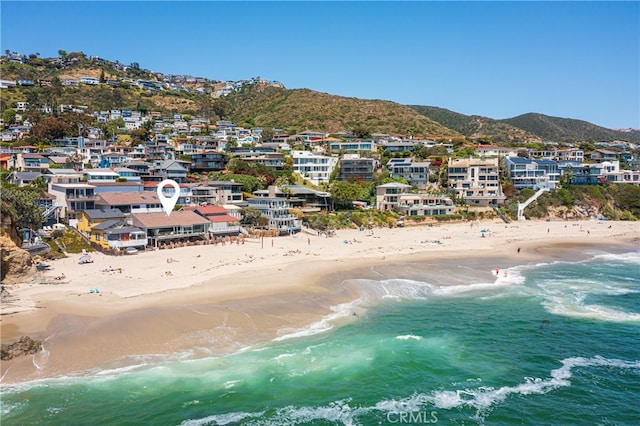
{"x": 345, "y": 192}
{"x": 9, "y": 116}
{"x": 49, "y": 128}
{"x": 102, "y": 77}
{"x": 62, "y": 53}
{"x": 19, "y": 203}
{"x": 250, "y": 216}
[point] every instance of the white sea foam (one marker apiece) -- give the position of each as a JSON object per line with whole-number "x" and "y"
{"x": 343, "y": 310}
{"x": 221, "y": 419}
{"x": 630, "y": 257}
{"x": 483, "y": 398}
{"x": 566, "y": 297}
{"x": 409, "y": 336}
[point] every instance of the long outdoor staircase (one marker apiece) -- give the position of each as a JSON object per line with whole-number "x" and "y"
{"x": 500, "y": 214}
{"x": 522, "y": 206}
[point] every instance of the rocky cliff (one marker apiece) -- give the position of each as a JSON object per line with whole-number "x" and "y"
{"x": 15, "y": 263}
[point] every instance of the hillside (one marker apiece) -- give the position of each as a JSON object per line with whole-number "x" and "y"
{"x": 269, "y": 106}
{"x": 304, "y": 109}
{"x": 475, "y": 126}
{"x": 568, "y": 130}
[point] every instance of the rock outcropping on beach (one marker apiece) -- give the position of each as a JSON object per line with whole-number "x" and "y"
{"x": 24, "y": 346}
{"x": 15, "y": 263}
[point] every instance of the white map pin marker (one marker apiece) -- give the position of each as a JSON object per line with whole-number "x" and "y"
{"x": 168, "y": 203}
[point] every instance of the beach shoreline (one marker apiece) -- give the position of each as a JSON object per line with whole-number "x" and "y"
{"x": 220, "y": 299}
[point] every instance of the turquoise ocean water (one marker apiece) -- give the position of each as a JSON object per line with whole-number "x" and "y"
{"x": 547, "y": 344}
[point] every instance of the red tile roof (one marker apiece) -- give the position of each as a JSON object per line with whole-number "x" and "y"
{"x": 159, "y": 220}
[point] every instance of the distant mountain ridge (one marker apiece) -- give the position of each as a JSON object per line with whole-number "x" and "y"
{"x": 568, "y": 129}
{"x": 529, "y": 126}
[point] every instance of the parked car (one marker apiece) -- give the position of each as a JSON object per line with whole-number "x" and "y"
{"x": 131, "y": 250}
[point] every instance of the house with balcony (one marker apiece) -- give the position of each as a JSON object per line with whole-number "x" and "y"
{"x": 476, "y": 181}
{"x": 221, "y": 222}
{"x": 118, "y": 235}
{"x": 226, "y": 192}
{"x": 130, "y": 202}
{"x": 533, "y": 173}
{"x": 208, "y": 161}
{"x": 73, "y": 197}
{"x": 276, "y": 211}
{"x": 271, "y": 160}
{"x": 601, "y": 155}
{"x": 351, "y": 145}
{"x": 354, "y": 167}
{"x": 31, "y": 162}
{"x": 22, "y": 178}
{"x": 300, "y": 197}
{"x": 312, "y": 167}
{"x": 495, "y": 151}
{"x": 388, "y": 195}
{"x": 171, "y": 169}
{"x": 100, "y": 176}
{"x": 127, "y": 175}
{"x": 420, "y": 204}
{"x": 180, "y": 226}
{"x": 89, "y": 218}
{"x": 416, "y": 173}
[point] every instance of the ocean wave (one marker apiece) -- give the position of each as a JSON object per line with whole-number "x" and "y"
{"x": 567, "y": 297}
{"x": 409, "y": 336}
{"x": 221, "y": 419}
{"x": 325, "y": 324}
{"x": 629, "y": 257}
{"x": 482, "y": 399}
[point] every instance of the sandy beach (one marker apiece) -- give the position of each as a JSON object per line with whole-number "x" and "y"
{"x": 210, "y": 300}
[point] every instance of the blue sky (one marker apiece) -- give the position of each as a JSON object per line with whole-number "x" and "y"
{"x": 496, "y": 59}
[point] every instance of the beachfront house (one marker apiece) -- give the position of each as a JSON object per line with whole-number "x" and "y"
{"x": 300, "y": 197}
{"x": 89, "y": 218}
{"x": 118, "y": 235}
{"x": 532, "y": 173}
{"x": 388, "y": 195}
{"x": 476, "y": 181}
{"x": 221, "y": 222}
{"x": 180, "y": 226}
{"x": 414, "y": 204}
{"x": 276, "y": 210}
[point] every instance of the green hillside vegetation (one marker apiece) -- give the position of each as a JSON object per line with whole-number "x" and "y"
{"x": 568, "y": 130}
{"x": 303, "y": 109}
{"x": 95, "y": 98}
{"x": 476, "y": 127}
